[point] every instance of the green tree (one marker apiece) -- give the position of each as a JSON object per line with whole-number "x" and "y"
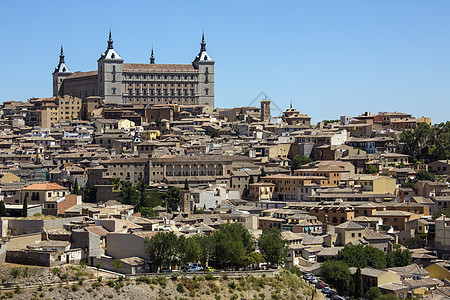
{"x": 90, "y": 195}
{"x": 414, "y": 243}
{"x": 273, "y": 246}
{"x": 25, "y": 205}
{"x": 424, "y": 175}
{"x": 398, "y": 257}
{"x": 357, "y": 284}
{"x": 172, "y": 197}
{"x": 232, "y": 243}
{"x": 371, "y": 169}
{"x": 441, "y": 211}
{"x": 128, "y": 193}
{"x": 373, "y": 293}
{"x": 193, "y": 251}
{"x": 115, "y": 183}
{"x": 361, "y": 256}
{"x": 263, "y": 172}
{"x": 117, "y": 264}
{"x": 337, "y": 274}
{"x": 76, "y": 189}
{"x": 163, "y": 249}
{"x": 2, "y": 208}
{"x": 148, "y": 212}
{"x": 300, "y": 160}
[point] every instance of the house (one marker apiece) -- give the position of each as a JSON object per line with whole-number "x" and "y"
{"x": 41, "y": 193}
{"x": 442, "y": 234}
{"x": 376, "y": 278}
{"x": 440, "y": 167}
{"x": 348, "y": 232}
{"x": 440, "y": 270}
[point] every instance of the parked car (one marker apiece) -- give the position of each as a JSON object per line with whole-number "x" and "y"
{"x": 194, "y": 269}
{"x": 307, "y": 276}
{"x": 337, "y": 297}
{"x": 320, "y": 285}
{"x": 210, "y": 269}
{"x": 325, "y": 289}
{"x": 165, "y": 270}
{"x": 331, "y": 293}
{"x": 313, "y": 280}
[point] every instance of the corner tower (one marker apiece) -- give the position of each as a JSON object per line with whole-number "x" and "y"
{"x": 110, "y": 73}
{"x": 60, "y": 73}
{"x": 205, "y": 66}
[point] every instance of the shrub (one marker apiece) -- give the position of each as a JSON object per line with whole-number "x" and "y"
{"x": 162, "y": 281}
{"x": 209, "y": 277}
{"x": 56, "y": 271}
{"x": 232, "y": 285}
{"x": 75, "y": 288}
{"x": 15, "y": 272}
{"x": 144, "y": 279}
{"x": 180, "y": 288}
{"x": 111, "y": 283}
{"x": 100, "y": 278}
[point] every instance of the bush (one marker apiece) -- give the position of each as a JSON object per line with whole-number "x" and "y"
{"x": 111, "y": 283}
{"x": 174, "y": 276}
{"x": 144, "y": 279}
{"x": 180, "y": 288}
{"x": 232, "y": 285}
{"x": 75, "y": 288}
{"x": 56, "y": 271}
{"x": 162, "y": 281}
{"x": 15, "y": 272}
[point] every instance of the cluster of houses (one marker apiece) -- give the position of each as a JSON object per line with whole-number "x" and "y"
{"x": 62, "y": 155}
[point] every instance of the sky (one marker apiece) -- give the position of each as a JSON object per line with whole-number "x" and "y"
{"x": 330, "y": 58}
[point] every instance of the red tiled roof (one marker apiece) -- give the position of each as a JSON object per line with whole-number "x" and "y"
{"x": 45, "y": 187}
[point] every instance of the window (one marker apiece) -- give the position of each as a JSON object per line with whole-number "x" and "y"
{"x": 206, "y": 91}
{"x": 130, "y": 91}
{"x": 114, "y": 91}
{"x": 353, "y": 235}
{"x": 114, "y": 68}
{"x": 144, "y": 91}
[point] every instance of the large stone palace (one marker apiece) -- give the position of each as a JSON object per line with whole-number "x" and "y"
{"x": 145, "y": 84}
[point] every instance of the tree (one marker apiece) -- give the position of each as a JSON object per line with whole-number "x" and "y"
{"x": 371, "y": 169}
{"x": 361, "y": 256}
{"x": 186, "y": 185}
{"x": 163, "y": 249}
{"x": 25, "y": 206}
{"x": 414, "y": 243}
{"x": 387, "y": 297}
{"x": 90, "y": 195}
{"x": 232, "y": 243}
{"x": 441, "y": 211}
{"x": 263, "y": 172}
{"x": 128, "y": 193}
{"x": 337, "y": 274}
{"x": 148, "y": 212}
{"x": 398, "y": 257}
{"x": 373, "y": 293}
{"x": 193, "y": 251}
{"x": 76, "y": 189}
{"x": 424, "y": 175}
{"x": 115, "y": 183}
{"x": 300, "y": 160}
{"x": 357, "y": 284}
{"x": 273, "y": 246}
{"x": 2, "y": 208}
{"x": 117, "y": 264}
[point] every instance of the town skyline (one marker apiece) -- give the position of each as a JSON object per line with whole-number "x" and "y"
{"x": 350, "y": 58}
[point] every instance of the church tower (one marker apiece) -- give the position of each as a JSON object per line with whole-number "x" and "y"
{"x": 205, "y": 66}
{"x": 60, "y": 73}
{"x": 110, "y": 72}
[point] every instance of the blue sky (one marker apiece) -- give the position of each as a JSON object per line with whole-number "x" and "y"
{"x": 331, "y": 58}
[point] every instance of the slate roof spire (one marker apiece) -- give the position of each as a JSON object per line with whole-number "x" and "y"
{"x": 152, "y": 58}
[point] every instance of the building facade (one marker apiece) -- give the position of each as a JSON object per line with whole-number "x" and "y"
{"x": 145, "y": 84}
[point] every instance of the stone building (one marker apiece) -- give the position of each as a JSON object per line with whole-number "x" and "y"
{"x": 146, "y": 84}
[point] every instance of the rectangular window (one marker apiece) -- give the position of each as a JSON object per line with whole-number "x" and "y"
{"x": 144, "y": 91}
{"x": 114, "y": 91}
{"x": 137, "y": 92}
{"x": 130, "y": 91}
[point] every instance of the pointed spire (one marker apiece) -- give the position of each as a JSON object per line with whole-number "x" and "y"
{"x": 291, "y": 103}
{"x": 110, "y": 41}
{"x": 152, "y": 58}
{"x": 61, "y": 55}
{"x": 203, "y": 44}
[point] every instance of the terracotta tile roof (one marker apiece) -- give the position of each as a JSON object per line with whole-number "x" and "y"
{"x": 45, "y": 187}
{"x": 82, "y": 74}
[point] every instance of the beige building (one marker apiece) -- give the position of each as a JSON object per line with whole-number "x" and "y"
{"x": 374, "y": 184}
{"x": 41, "y": 193}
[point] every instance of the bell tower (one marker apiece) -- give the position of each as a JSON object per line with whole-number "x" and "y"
{"x": 61, "y": 72}
{"x": 205, "y": 66}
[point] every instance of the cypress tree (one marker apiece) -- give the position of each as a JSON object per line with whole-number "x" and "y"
{"x": 76, "y": 189}
{"x": 2, "y": 209}
{"x": 358, "y": 288}
{"x": 25, "y": 206}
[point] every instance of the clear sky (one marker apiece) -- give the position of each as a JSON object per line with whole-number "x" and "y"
{"x": 331, "y": 58}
